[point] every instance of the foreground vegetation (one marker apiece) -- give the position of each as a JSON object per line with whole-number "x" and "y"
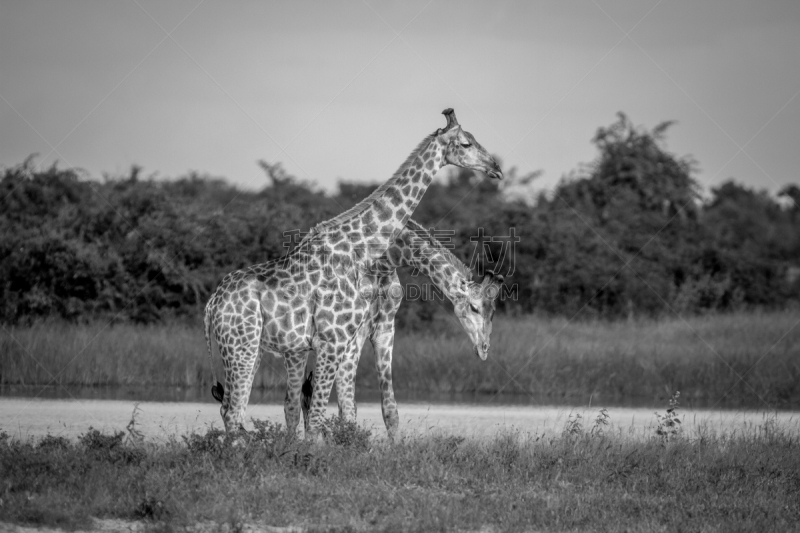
{"x": 550, "y": 358}
{"x": 582, "y": 479}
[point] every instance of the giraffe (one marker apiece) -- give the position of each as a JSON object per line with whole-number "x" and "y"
{"x": 473, "y": 304}
{"x": 317, "y": 296}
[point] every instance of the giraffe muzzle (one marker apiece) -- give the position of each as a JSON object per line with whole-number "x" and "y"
{"x": 482, "y": 351}
{"x": 495, "y": 173}
{"x": 493, "y": 169}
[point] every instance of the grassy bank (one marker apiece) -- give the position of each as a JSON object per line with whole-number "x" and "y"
{"x": 702, "y": 357}
{"x": 578, "y": 480}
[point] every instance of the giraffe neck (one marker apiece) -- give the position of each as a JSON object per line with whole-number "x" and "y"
{"x": 433, "y": 264}
{"x": 416, "y": 247}
{"x": 384, "y": 219}
{"x": 374, "y": 223}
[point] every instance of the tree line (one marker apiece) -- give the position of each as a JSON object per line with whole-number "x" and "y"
{"x": 630, "y": 234}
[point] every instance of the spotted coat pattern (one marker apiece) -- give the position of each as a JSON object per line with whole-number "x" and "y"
{"x": 319, "y": 295}
{"x": 473, "y": 304}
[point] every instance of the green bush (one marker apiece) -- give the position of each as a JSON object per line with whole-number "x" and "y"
{"x": 625, "y": 235}
{"x": 348, "y": 434}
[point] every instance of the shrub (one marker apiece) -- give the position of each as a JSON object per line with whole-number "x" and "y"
{"x": 348, "y": 433}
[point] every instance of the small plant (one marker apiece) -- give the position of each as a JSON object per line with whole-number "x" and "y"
{"x": 506, "y": 450}
{"x": 94, "y": 440}
{"x": 573, "y": 427}
{"x": 212, "y": 442}
{"x": 348, "y": 433}
{"x": 52, "y": 442}
{"x": 267, "y": 433}
{"x": 447, "y": 446}
{"x": 600, "y": 422}
{"x": 110, "y": 448}
{"x": 669, "y": 424}
{"x": 769, "y": 430}
{"x": 135, "y": 437}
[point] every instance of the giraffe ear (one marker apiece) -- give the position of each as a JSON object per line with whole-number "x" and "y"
{"x": 463, "y": 287}
{"x": 491, "y": 277}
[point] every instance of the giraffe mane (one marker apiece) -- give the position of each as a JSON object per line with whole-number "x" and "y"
{"x": 361, "y": 206}
{"x": 454, "y": 261}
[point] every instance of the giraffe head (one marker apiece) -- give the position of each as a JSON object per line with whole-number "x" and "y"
{"x": 475, "y": 310}
{"x": 461, "y": 148}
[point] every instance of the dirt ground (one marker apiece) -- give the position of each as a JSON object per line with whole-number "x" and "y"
{"x": 23, "y": 418}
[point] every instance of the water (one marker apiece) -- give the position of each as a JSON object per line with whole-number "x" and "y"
{"x": 28, "y": 415}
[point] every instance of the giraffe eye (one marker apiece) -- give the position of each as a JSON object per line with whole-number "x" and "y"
{"x": 474, "y": 309}
{"x": 466, "y": 145}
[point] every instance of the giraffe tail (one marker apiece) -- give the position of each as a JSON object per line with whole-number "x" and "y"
{"x": 217, "y": 391}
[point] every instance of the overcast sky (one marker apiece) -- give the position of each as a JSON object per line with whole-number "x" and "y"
{"x": 345, "y": 89}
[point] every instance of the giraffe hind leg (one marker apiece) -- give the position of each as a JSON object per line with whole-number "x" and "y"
{"x": 240, "y": 358}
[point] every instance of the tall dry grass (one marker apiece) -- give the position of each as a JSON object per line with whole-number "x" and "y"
{"x": 548, "y": 358}
{"x": 104, "y": 355}
{"x": 704, "y": 357}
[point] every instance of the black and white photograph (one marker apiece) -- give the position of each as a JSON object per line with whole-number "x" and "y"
{"x": 374, "y": 266}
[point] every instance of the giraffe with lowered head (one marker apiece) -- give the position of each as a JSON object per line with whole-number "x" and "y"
{"x": 473, "y": 305}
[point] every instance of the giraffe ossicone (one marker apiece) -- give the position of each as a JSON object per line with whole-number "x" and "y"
{"x": 311, "y": 298}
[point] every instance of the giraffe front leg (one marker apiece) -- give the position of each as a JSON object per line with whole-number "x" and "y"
{"x": 382, "y": 338}
{"x": 339, "y": 316}
{"x": 383, "y": 342}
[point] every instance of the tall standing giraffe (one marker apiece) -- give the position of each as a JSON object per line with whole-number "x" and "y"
{"x": 317, "y": 296}
{"x": 473, "y": 304}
